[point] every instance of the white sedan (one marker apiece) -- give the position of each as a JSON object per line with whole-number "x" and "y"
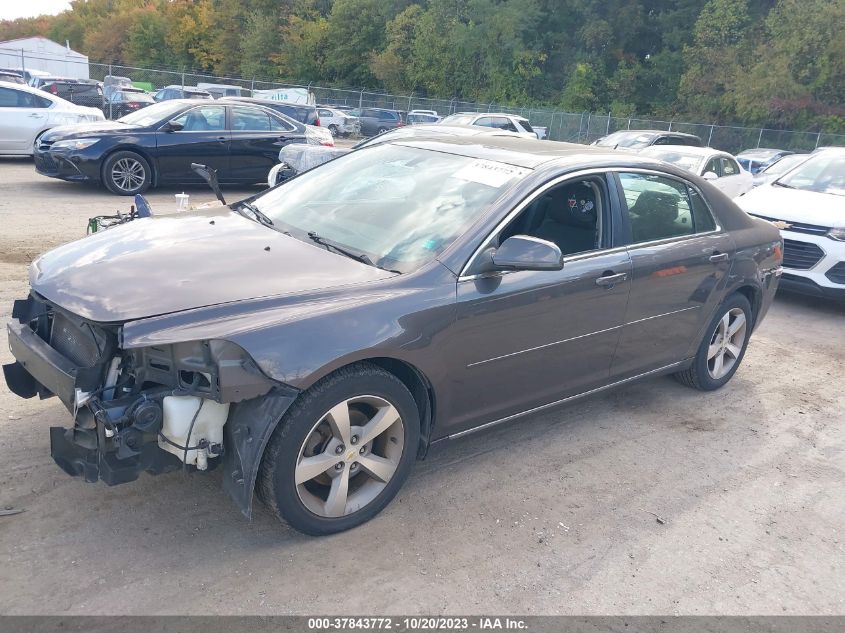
{"x": 720, "y": 168}
{"x": 26, "y": 113}
{"x": 338, "y": 122}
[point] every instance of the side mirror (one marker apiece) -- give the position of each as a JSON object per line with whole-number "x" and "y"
{"x": 523, "y": 252}
{"x": 710, "y": 175}
{"x": 172, "y": 126}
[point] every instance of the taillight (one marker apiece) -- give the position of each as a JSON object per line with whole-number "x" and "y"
{"x": 133, "y": 106}
{"x": 317, "y": 122}
{"x": 53, "y": 89}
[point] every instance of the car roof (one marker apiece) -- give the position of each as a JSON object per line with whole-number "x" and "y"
{"x": 763, "y": 151}
{"x": 29, "y": 89}
{"x": 185, "y": 88}
{"x": 516, "y": 116}
{"x": 260, "y": 101}
{"x": 523, "y": 152}
{"x": 686, "y": 149}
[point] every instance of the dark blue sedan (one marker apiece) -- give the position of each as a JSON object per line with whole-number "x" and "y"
{"x": 156, "y": 146}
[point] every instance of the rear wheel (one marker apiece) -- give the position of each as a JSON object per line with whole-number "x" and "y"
{"x": 333, "y": 129}
{"x": 127, "y": 173}
{"x": 722, "y": 348}
{"x": 342, "y": 451}
{"x": 382, "y": 130}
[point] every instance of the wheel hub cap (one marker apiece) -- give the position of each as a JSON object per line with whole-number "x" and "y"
{"x": 726, "y": 343}
{"x": 334, "y": 478}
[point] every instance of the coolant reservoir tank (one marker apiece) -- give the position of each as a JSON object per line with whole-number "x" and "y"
{"x": 179, "y": 411}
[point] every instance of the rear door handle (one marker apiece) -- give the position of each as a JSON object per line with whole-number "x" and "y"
{"x": 719, "y": 257}
{"x": 222, "y": 139}
{"x": 610, "y": 280}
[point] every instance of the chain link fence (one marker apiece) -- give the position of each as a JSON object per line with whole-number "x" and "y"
{"x": 583, "y": 127}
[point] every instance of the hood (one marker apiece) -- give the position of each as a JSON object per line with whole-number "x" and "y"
{"x": 794, "y": 205}
{"x": 85, "y": 129}
{"x": 167, "y": 264}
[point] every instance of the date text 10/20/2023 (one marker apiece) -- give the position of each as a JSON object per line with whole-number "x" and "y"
{"x": 419, "y": 623}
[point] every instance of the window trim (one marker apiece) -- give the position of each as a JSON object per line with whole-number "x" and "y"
{"x": 666, "y": 240}
{"x": 519, "y": 208}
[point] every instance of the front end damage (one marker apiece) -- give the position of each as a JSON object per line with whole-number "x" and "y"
{"x": 195, "y": 405}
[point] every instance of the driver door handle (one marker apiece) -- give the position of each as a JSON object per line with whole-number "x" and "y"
{"x": 222, "y": 139}
{"x": 719, "y": 257}
{"x": 610, "y": 280}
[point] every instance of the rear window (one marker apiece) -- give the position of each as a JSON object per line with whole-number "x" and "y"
{"x": 526, "y": 125}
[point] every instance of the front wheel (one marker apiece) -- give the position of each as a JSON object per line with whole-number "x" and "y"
{"x": 723, "y": 347}
{"x": 341, "y": 452}
{"x": 127, "y": 173}
{"x": 333, "y": 130}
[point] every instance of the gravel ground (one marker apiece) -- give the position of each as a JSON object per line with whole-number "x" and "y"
{"x": 553, "y": 514}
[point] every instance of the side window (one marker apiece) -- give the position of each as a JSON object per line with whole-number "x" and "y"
{"x": 506, "y": 124}
{"x": 484, "y": 121}
{"x": 569, "y": 215}
{"x": 660, "y": 207}
{"x": 280, "y": 125}
{"x": 729, "y": 167}
{"x": 40, "y": 102}
{"x": 250, "y": 120}
{"x": 203, "y": 119}
{"x": 8, "y": 98}
{"x": 713, "y": 166}
{"x": 325, "y": 113}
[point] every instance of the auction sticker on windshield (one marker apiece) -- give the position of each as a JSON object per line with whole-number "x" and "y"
{"x": 490, "y": 173}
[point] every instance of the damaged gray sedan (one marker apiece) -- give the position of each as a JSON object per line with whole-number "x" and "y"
{"x": 316, "y": 339}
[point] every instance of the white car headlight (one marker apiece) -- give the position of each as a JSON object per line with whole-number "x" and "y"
{"x": 77, "y": 143}
{"x": 837, "y": 234}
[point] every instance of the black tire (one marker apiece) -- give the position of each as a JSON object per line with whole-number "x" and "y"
{"x": 276, "y": 485}
{"x": 382, "y": 130}
{"x": 333, "y": 130}
{"x": 699, "y": 375}
{"x": 137, "y": 165}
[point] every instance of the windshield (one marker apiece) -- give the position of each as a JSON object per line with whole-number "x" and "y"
{"x": 626, "y": 139}
{"x": 824, "y": 173}
{"x": 690, "y": 162}
{"x": 785, "y": 164}
{"x": 401, "y": 206}
{"x": 153, "y": 114}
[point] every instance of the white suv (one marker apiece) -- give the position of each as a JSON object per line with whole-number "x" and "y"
{"x": 808, "y": 205}
{"x": 26, "y": 113}
{"x": 498, "y": 120}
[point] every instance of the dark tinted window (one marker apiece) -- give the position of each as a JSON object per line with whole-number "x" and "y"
{"x": 250, "y": 119}
{"x": 660, "y": 207}
{"x": 713, "y": 166}
{"x": 279, "y": 125}
{"x": 10, "y": 98}
{"x": 526, "y": 125}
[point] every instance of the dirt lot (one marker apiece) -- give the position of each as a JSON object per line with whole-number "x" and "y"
{"x": 552, "y": 514}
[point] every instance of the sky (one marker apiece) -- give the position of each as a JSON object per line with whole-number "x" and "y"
{"x": 13, "y": 9}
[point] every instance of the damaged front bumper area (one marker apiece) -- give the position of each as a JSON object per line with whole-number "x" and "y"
{"x": 193, "y": 405}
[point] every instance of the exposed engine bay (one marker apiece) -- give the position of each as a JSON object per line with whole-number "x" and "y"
{"x": 153, "y": 409}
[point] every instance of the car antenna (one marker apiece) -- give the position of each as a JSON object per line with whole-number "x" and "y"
{"x": 209, "y": 174}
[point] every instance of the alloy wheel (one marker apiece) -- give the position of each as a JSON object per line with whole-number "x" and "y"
{"x": 726, "y": 343}
{"x": 128, "y": 174}
{"x": 349, "y": 456}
